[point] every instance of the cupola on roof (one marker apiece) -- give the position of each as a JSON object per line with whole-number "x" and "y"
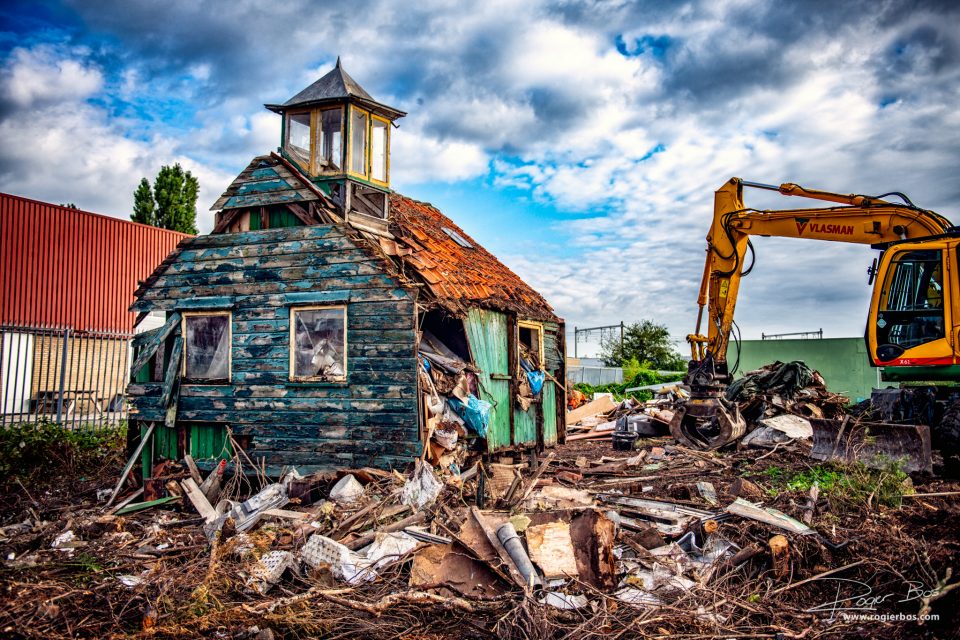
{"x": 336, "y": 86}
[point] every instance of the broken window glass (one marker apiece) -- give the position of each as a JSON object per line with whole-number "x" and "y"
{"x": 329, "y": 141}
{"x": 298, "y": 137}
{"x": 319, "y": 344}
{"x": 207, "y": 348}
{"x": 358, "y": 141}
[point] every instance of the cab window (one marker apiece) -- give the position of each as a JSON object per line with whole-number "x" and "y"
{"x": 911, "y": 312}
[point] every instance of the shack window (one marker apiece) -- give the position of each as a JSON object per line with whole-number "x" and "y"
{"x": 912, "y": 313}
{"x": 298, "y": 137}
{"x": 358, "y": 141}
{"x": 207, "y": 347}
{"x": 329, "y": 140}
{"x": 318, "y": 344}
{"x": 531, "y": 343}
{"x": 379, "y": 151}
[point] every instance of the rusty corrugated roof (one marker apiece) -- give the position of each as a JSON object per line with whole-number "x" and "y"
{"x": 460, "y": 277}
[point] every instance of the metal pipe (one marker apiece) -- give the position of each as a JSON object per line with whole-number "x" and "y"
{"x": 508, "y": 537}
{"x": 760, "y": 185}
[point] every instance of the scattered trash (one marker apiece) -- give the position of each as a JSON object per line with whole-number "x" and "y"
{"x": 347, "y": 490}
{"x": 64, "y": 540}
{"x": 422, "y": 488}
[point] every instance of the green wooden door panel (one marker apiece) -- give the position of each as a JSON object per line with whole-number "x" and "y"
{"x": 209, "y": 441}
{"x": 165, "y": 443}
{"x": 487, "y": 333}
{"x": 525, "y": 425}
{"x": 549, "y": 413}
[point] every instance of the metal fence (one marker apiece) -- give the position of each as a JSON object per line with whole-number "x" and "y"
{"x": 76, "y": 379}
{"x": 594, "y": 375}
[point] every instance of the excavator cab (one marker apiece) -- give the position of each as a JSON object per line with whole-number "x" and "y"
{"x": 913, "y": 315}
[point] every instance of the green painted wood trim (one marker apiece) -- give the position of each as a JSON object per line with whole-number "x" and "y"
{"x": 140, "y": 506}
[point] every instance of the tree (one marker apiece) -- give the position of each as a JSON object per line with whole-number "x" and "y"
{"x": 172, "y": 204}
{"x": 143, "y": 205}
{"x": 644, "y": 342}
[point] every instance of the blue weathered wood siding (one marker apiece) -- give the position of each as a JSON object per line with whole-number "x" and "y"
{"x": 370, "y": 420}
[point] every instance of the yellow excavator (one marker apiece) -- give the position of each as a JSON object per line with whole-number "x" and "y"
{"x": 913, "y": 326}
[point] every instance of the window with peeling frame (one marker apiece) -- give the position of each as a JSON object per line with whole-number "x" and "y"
{"x": 206, "y": 357}
{"x": 318, "y": 344}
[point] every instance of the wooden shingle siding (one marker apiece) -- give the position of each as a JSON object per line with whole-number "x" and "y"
{"x": 370, "y": 419}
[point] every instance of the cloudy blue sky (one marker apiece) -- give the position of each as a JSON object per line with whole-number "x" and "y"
{"x": 579, "y": 141}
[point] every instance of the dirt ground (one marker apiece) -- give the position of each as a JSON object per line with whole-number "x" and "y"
{"x": 154, "y": 574}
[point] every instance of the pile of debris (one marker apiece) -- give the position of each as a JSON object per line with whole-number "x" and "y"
{"x": 661, "y": 539}
{"x": 451, "y": 392}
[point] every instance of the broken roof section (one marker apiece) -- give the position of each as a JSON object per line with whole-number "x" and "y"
{"x": 335, "y": 86}
{"x": 459, "y": 272}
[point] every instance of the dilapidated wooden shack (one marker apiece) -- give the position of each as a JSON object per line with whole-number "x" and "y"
{"x": 328, "y": 321}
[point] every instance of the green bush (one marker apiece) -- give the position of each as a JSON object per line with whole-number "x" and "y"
{"x": 50, "y": 449}
{"x": 640, "y": 378}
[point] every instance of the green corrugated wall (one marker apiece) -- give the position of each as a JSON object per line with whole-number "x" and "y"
{"x": 842, "y": 362}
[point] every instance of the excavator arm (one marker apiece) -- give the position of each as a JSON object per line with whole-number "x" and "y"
{"x": 708, "y": 420}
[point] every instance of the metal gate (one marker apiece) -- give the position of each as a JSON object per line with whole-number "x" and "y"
{"x": 75, "y": 378}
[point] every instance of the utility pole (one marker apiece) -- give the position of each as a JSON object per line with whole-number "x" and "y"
{"x": 606, "y": 330}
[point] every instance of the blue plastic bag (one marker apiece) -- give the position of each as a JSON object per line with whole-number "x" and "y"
{"x": 475, "y": 413}
{"x": 536, "y": 379}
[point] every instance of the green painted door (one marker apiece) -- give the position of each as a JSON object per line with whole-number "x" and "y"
{"x": 549, "y": 413}
{"x": 487, "y": 333}
{"x": 525, "y": 425}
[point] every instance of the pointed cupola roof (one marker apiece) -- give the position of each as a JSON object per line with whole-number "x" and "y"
{"x": 336, "y": 87}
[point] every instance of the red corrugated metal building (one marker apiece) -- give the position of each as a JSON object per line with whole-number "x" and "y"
{"x": 73, "y": 269}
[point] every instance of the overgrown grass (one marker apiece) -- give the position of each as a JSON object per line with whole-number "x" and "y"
{"x": 855, "y": 483}
{"x": 641, "y": 378}
{"x": 47, "y": 449}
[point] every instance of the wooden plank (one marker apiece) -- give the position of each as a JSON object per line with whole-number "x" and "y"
{"x": 199, "y": 501}
{"x": 192, "y": 466}
{"x": 173, "y": 371}
{"x": 310, "y": 259}
{"x": 140, "y": 506}
{"x": 207, "y": 302}
{"x": 130, "y": 463}
{"x": 261, "y": 288}
{"x": 150, "y": 347}
{"x": 268, "y": 236}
